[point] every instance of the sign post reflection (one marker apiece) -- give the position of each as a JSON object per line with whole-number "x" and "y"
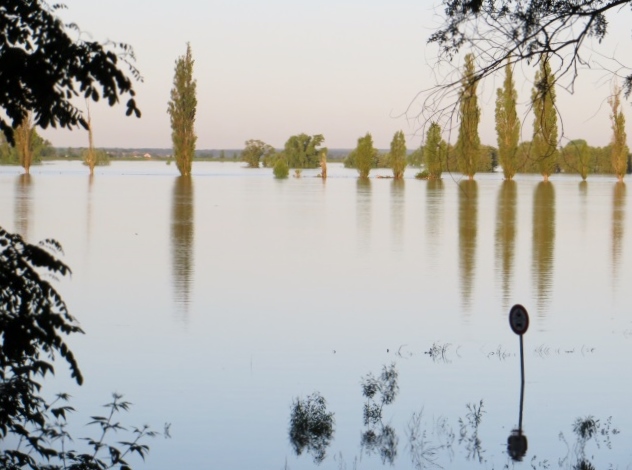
{"x": 519, "y": 323}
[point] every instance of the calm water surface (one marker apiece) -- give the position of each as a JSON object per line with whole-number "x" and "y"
{"x": 214, "y": 303}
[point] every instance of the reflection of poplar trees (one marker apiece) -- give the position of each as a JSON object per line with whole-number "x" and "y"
{"x": 468, "y": 201}
{"x": 543, "y": 241}
{"x": 397, "y": 212}
{"x": 618, "y": 216}
{"x": 23, "y": 204}
{"x": 182, "y": 232}
{"x": 363, "y": 211}
{"x": 506, "y": 235}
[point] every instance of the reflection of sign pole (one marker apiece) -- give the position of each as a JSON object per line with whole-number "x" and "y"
{"x": 519, "y": 323}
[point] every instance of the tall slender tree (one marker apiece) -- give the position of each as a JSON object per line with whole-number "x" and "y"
{"x": 23, "y": 135}
{"x": 181, "y": 109}
{"x": 619, "y": 137}
{"x": 364, "y": 155}
{"x": 468, "y": 143}
{"x": 91, "y": 154}
{"x": 434, "y": 151}
{"x": 507, "y": 125}
{"x": 545, "y": 119}
{"x": 323, "y": 163}
{"x": 397, "y": 156}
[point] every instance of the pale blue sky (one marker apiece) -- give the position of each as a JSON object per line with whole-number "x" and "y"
{"x": 269, "y": 69}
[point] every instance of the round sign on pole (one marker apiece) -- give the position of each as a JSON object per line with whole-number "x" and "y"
{"x": 519, "y": 319}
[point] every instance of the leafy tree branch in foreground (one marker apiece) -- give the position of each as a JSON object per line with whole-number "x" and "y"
{"x": 43, "y": 68}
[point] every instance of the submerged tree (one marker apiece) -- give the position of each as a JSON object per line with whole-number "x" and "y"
{"x": 507, "y": 125}
{"x": 323, "y": 163}
{"x": 182, "y": 108}
{"x": 576, "y": 157}
{"x": 281, "y": 170}
{"x": 545, "y": 120}
{"x": 435, "y": 151}
{"x": 90, "y": 157}
{"x": 364, "y": 154}
{"x": 468, "y": 143}
{"x": 302, "y": 150}
{"x": 24, "y": 139}
{"x": 254, "y": 151}
{"x": 397, "y": 156}
{"x": 619, "y": 137}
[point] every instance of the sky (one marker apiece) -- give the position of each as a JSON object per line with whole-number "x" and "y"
{"x": 269, "y": 69}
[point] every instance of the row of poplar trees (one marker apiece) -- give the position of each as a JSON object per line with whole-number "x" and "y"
{"x": 543, "y": 149}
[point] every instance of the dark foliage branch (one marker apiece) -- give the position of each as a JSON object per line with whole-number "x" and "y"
{"x": 33, "y": 322}
{"x": 518, "y": 30}
{"x": 42, "y": 68}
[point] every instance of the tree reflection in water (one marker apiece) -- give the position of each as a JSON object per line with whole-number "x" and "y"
{"x": 311, "y": 426}
{"x": 182, "y": 239}
{"x": 468, "y": 228}
{"x": 23, "y": 204}
{"x": 506, "y": 235}
{"x": 543, "y": 242}
{"x": 618, "y": 217}
{"x": 379, "y": 392}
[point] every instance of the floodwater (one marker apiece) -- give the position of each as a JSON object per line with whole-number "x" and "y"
{"x": 217, "y": 304}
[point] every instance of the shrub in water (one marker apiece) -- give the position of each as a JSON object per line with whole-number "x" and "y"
{"x": 281, "y": 170}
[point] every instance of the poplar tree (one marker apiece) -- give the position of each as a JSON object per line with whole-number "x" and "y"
{"x": 398, "y": 155}
{"x": 364, "y": 154}
{"x": 182, "y": 108}
{"x": 468, "y": 143}
{"x": 545, "y": 119}
{"x": 90, "y": 158}
{"x": 434, "y": 151}
{"x": 619, "y": 138}
{"x": 507, "y": 125}
{"x": 23, "y": 135}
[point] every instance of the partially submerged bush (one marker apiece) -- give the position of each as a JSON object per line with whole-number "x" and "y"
{"x": 281, "y": 170}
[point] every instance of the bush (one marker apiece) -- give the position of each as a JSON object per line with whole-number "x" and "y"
{"x": 281, "y": 170}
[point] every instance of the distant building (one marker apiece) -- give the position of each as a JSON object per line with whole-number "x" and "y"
{"x": 146, "y": 156}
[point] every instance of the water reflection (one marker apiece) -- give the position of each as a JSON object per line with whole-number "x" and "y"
{"x": 378, "y": 437}
{"x": 363, "y": 213}
{"x": 468, "y": 221}
{"x": 543, "y": 243}
{"x": 22, "y": 214}
{"x": 618, "y": 218}
{"x": 506, "y": 235}
{"x": 440, "y": 441}
{"x": 583, "y": 199}
{"x": 434, "y": 217}
{"x": 89, "y": 207}
{"x": 397, "y": 213}
{"x": 182, "y": 239}
{"x": 311, "y": 426}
